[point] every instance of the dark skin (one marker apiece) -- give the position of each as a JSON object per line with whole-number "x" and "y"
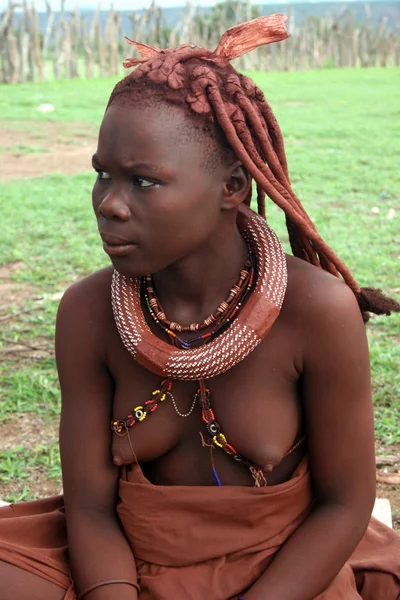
{"x": 310, "y": 373}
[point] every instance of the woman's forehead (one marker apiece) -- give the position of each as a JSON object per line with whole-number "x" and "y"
{"x": 158, "y": 134}
{"x": 141, "y": 121}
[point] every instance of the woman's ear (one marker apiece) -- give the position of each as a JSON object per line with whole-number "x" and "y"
{"x": 237, "y": 186}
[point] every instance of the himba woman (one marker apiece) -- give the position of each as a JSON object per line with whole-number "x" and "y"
{"x": 240, "y": 458}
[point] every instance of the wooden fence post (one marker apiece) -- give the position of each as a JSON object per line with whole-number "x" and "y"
{"x": 87, "y": 49}
{"x": 75, "y": 41}
{"x": 112, "y": 43}
{"x": 100, "y": 45}
{"x": 47, "y": 34}
{"x": 27, "y": 16}
{"x": 59, "y": 31}
{"x": 36, "y": 43}
{"x": 8, "y": 45}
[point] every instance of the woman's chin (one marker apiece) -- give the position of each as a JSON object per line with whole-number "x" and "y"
{"x": 128, "y": 269}
{"x": 132, "y": 267}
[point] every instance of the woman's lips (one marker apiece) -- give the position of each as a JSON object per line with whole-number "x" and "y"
{"x": 118, "y": 249}
{"x": 115, "y": 246}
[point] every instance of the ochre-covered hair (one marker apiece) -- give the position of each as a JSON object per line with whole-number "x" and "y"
{"x": 205, "y": 84}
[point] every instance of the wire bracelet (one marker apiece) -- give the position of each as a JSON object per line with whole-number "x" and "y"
{"x": 108, "y": 582}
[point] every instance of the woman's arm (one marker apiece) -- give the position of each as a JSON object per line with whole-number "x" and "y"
{"x": 339, "y": 417}
{"x": 97, "y": 546}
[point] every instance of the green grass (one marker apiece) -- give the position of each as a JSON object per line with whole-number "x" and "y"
{"x": 22, "y": 465}
{"x": 22, "y": 149}
{"x": 33, "y": 389}
{"x": 54, "y": 231}
{"x": 74, "y": 100}
{"x": 342, "y": 132}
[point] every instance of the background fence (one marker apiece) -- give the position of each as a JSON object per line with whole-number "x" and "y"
{"x": 72, "y": 45}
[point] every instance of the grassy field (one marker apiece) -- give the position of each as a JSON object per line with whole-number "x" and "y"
{"x": 342, "y": 131}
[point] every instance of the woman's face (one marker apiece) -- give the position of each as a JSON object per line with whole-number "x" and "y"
{"x": 156, "y": 198}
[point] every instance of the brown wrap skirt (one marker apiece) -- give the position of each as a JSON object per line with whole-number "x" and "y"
{"x": 196, "y": 542}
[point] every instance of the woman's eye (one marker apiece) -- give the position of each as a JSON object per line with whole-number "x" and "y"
{"x": 137, "y": 181}
{"x": 102, "y": 174}
{"x": 142, "y": 182}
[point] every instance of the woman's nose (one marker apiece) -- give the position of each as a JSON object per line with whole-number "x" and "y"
{"x": 114, "y": 207}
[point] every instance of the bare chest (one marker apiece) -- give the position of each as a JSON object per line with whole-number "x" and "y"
{"x": 256, "y": 403}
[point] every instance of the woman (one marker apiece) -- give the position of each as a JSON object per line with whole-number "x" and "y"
{"x": 236, "y": 379}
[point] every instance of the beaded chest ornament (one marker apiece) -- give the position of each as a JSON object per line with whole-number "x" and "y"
{"x": 237, "y": 330}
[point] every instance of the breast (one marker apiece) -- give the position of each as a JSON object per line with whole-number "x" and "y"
{"x": 145, "y": 441}
{"x": 158, "y": 434}
{"x": 257, "y": 405}
{"x": 261, "y": 424}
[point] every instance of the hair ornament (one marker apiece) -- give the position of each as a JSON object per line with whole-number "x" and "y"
{"x": 245, "y": 37}
{"x": 235, "y": 42}
{"x": 144, "y": 50}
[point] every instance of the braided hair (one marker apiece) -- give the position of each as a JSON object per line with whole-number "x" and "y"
{"x": 231, "y": 107}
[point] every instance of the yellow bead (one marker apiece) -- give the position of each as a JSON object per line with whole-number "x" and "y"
{"x": 221, "y": 437}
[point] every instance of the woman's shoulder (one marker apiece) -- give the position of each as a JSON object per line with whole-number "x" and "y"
{"x": 330, "y": 339}
{"x": 94, "y": 288}
{"x": 86, "y": 304}
{"x": 315, "y": 296}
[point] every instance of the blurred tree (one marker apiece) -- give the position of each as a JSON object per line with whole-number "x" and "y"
{"x": 231, "y": 9}
{"x": 224, "y": 15}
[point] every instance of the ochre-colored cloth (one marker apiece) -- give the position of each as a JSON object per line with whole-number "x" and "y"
{"x": 196, "y": 542}
{"x": 33, "y": 537}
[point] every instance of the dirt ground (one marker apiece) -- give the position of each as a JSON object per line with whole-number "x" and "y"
{"x": 67, "y": 148}
{"x": 388, "y": 468}
{"x": 13, "y": 297}
{"x": 48, "y": 147}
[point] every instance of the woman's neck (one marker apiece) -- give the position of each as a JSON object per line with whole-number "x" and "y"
{"x": 191, "y": 289}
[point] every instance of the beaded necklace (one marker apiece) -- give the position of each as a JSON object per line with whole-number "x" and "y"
{"x": 121, "y": 426}
{"x": 233, "y": 304}
{"x": 224, "y": 307}
{"x": 235, "y": 335}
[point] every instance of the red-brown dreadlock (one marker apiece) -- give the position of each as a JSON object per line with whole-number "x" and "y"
{"x": 207, "y": 85}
